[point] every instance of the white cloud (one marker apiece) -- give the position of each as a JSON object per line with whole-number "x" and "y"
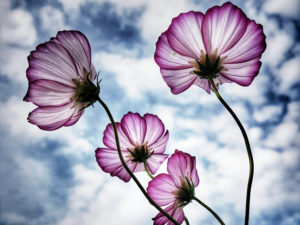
{"x": 289, "y": 8}
{"x": 267, "y": 113}
{"x": 52, "y": 20}
{"x": 288, "y": 74}
{"x": 17, "y": 27}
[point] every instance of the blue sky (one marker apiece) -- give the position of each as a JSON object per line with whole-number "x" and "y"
{"x": 53, "y": 178}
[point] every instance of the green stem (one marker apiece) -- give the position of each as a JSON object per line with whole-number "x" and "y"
{"x": 186, "y": 221}
{"x": 147, "y": 170}
{"x": 209, "y": 209}
{"x": 128, "y": 170}
{"x": 250, "y": 157}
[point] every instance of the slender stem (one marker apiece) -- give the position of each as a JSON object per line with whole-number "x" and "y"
{"x": 128, "y": 170}
{"x": 147, "y": 170}
{"x": 209, "y": 209}
{"x": 186, "y": 221}
{"x": 250, "y": 157}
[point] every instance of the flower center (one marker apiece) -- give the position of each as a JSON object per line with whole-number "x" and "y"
{"x": 186, "y": 192}
{"x": 140, "y": 153}
{"x": 86, "y": 92}
{"x": 208, "y": 66}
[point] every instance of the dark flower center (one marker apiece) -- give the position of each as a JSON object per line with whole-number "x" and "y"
{"x": 86, "y": 92}
{"x": 140, "y": 153}
{"x": 186, "y": 192}
{"x": 208, "y": 66}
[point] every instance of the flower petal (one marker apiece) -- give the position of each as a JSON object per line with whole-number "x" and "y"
{"x": 160, "y": 145}
{"x": 51, "y": 61}
{"x": 51, "y": 117}
{"x": 49, "y": 93}
{"x": 79, "y": 48}
{"x": 161, "y": 189}
{"x": 154, "y": 162}
{"x": 182, "y": 166}
{"x": 167, "y": 58}
{"x": 179, "y": 80}
{"x": 109, "y": 137}
{"x": 109, "y": 161}
{"x": 222, "y": 27}
{"x": 184, "y": 34}
{"x": 155, "y": 128}
{"x": 176, "y": 212}
{"x": 134, "y": 126}
{"x": 75, "y": 117}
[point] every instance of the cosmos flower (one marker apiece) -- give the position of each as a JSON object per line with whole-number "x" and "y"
{"x": 176, "y": 189}
{"x": 142, "y": 140}
{"x": 222, "y": 44}
{"x": 60, "y": 76}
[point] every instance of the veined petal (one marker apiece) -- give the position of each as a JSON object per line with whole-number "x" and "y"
{"x": 184, "y": 34}
{"x": 51, "y": 117}
{"x": 49, "y": 93}
{"x": 222, "y": 27}
{"x": 51, "y": 61}
{"x": 159, "y": 146}
{"x": 79, "y": 48}
{"x": 167, "y": 58}
{"x": 181, "y": 166}
{"x": 155, "y": 161}
{"x": 250, "y": 46}
{"x": 155, "y": 128}
{"x": 75, "y": 117}
{"x": 109, "y": 137}
{"x": 134, "y": 126}
{"x": 109, "y": 161}
{"x": 174, "y": 211}
{"x": 161, "y": 189}
{"x": 178, "y": 80}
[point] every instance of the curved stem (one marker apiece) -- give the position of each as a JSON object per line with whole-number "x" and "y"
{"x": 209, "y": 209}
{"x": 147, "y": 170}
{"x": 250, "y": 157}
{"x": 186, "y": 221}
{"x": 128, "y": 170}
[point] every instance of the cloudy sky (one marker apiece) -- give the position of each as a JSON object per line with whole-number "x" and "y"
{"x": 52, "y": 178}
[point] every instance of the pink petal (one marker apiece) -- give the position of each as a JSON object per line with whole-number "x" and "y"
{"x": 110, "y": 141}
{"x": 167, "y": 58}
{"x": 134, "y": 126}
{"x": 250, "y": 46}
{"x": 179, "y": 80}
{"x": 222, "y": 27}
{"x": 181, "y": 166}
{"x": 155, "y": 128}
{"x": 51, "y": 117}
{"x": 154, "y": 162}
{"x": 109, "y": 161}
{"x": 160, "y": 145}
{"x": 161, "y": 189}
{"x": 203, "y": 83}
{"x": 184, "y": 34}
{"x": 176, "y": 212}
{"x": 51, "y": 61}
{"x": 79, "y": 48}
{"x": 75, "y": 117}
{"x": 49, "y": 93}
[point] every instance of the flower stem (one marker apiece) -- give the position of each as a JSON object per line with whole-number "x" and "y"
{"x": 250, "y": 157}
{"x": 209, "y": 209}
{"x": 126, "y": 167}
{"x": 186, "y": 221}
{"x": 147, "y": 170}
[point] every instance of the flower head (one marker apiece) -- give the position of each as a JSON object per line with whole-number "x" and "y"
{"x": 60, "y": 76}
{"x": 142, "y": 140}
{"x": 222, "y": 44}
{"x": 176, "y": 189}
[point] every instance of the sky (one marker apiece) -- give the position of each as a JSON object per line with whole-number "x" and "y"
{"x": 52, "y": 178}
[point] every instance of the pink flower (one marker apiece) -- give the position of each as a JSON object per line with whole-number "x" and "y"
{"x": 60, "y": 76}
{"x": 142, "y": 139}
{"x": 176, "y": 189}
{"x": 222, "y": 44}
